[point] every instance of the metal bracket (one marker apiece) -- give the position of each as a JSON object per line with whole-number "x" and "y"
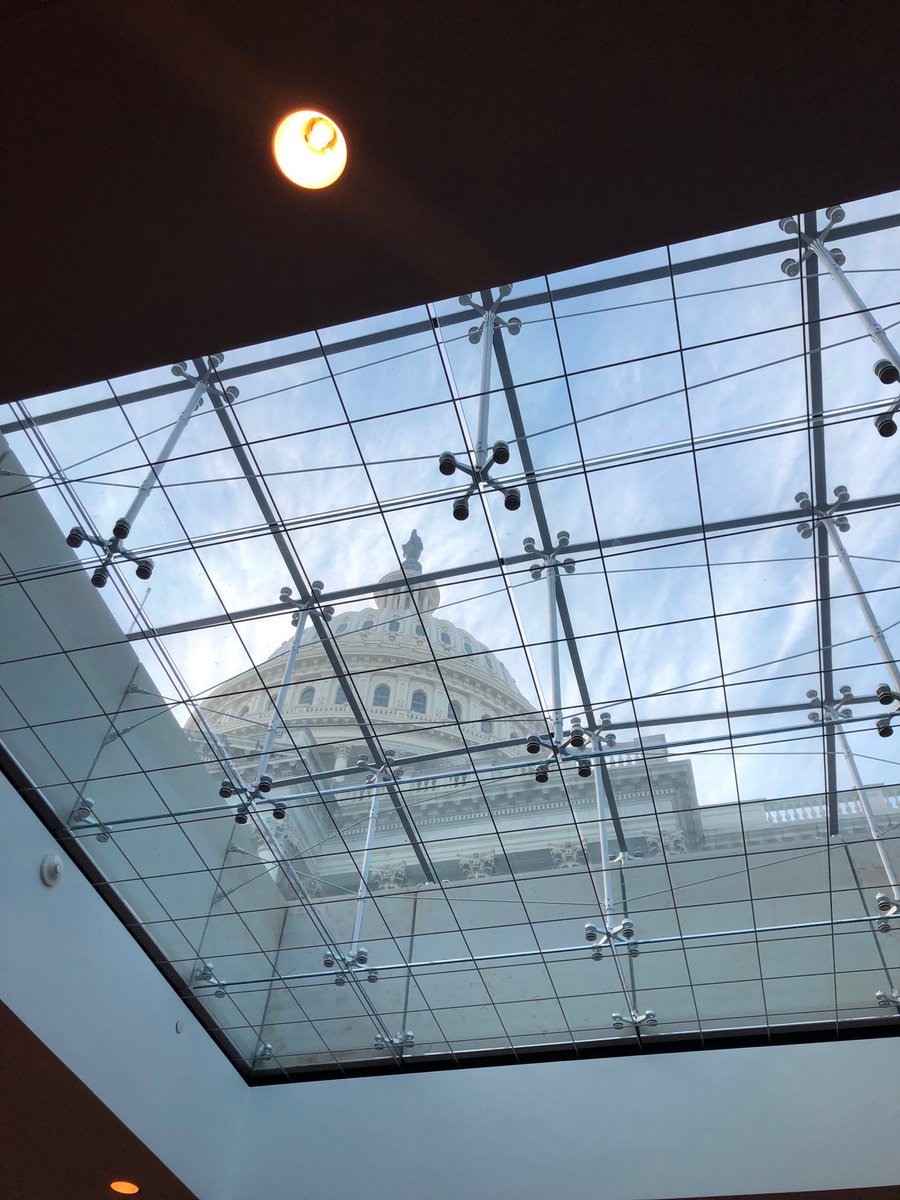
{"x": 82, "y": 817}
{"x": 842, "y": 522}
{"x": 620, "y": 935}
{"x": 887, "y": 695}
{"x": 448, "y": 463}
{"x": 205, "y": 976}
{"x": 791, "y": 266}
{"x": 400, "y": 1039}
{"x": 348, "y": 964}
{"x": 648, "y": 1018}
{"x": 479, "y": 470}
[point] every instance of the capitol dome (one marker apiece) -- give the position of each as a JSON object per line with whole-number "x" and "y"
{"x": 423, "y": 684}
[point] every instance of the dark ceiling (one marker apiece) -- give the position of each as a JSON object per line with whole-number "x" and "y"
{"x": 489, "y": 141}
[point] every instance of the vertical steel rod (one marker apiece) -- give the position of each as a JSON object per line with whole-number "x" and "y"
{"x": 277, "y": 718}
{"x": 873, "y": 329}
{"x": 363, "y": 890}
{"x": 867, "y": 812}
{"x": 409, "y": 955}
{"x": 171, "y": 441}
{"x": 484, "y": 403}
{"x": 818, "y": 473}
{"x": 862, "y": 599}
{"x": 599, "y": 794}
{"x": 556, "y": 702}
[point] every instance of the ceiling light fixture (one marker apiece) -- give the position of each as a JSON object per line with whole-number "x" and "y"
{"x": 309, "y": 149}
{"x": 124, "y": 1188}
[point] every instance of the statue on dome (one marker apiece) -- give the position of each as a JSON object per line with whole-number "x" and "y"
{"x": 412, "y": 551}
{"x": 427, "y": 597}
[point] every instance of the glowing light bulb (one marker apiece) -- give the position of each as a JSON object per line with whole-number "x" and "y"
{"x": 309, "y": 149}
{"x": 124, "y": 1188}
{"x": 321, "y": 134}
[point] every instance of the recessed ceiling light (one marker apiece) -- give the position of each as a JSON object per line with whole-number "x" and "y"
{"x": 124, "y": 1188}
{"x": 309, "y": 149}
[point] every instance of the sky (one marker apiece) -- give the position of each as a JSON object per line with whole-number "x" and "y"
{"x": 613, "y": 387}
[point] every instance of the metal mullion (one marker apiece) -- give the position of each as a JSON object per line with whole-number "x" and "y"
{"x": 664, "y": 940}
{"x": 487, "y": 301}
{"x": 813, "y": 329}
{"x": 137, "y": 877}
{"x": 618, "y": 545}
{"x": 203, "y": 699}
{"x": 555, "y": 472}
{"x": 715, "y": 619}
{"x": 811, "y": 298}
{"x": 316, "y": 796}
{"x": 200, "y": 366}
{"x": 77, "y": 508}
{"x": 319, "y": 624}
{"x": 500, "y": 561}
{"x": 412, "y": 595}
{"x": 854, "y": 229}
{"x": 610, "y": 794}
{"x": 497, "y": 342}
{"x": 698, "y": 743}
{"x": 102, "y": 712}
{"x": 216, "y": 743}
{"x": 584, "y": 371}
{"x": 544, "y": 529}
{"x": 576, "y": 637}
{"x": 412, "y": 591}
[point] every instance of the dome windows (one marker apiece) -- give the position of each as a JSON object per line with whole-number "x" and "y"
{"x": 382, "y": 697}
{"x": 419, "y": 702}
{"x": 308, "y": 695}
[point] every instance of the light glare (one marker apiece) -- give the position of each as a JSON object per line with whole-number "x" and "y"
{"x": 124, "y": 1188}
{"x": 309, "y": 149}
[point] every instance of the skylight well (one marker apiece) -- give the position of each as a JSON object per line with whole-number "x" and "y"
{"x": 509, "y": 677}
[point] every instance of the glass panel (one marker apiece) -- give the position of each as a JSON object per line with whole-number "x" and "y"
{"x": 569, "y": 738}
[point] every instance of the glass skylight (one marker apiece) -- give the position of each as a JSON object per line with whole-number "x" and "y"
{"x": 507, "y": 676}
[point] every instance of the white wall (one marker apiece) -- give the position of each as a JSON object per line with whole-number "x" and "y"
{"x": 729, "y": 1121}
{"x": 77, "y": 978}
